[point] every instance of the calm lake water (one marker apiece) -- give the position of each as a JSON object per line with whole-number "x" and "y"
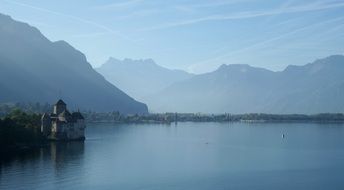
{"x": 187, "y": 156}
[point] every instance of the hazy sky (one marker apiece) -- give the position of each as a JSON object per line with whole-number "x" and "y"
{"x": 193, "y": 35}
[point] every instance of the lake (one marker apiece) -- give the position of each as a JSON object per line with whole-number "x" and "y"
{"x": 187, "y": 156}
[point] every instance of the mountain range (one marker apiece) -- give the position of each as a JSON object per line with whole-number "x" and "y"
{"x": 312, "y": 88}
{"x": 316, "y": 87}
{"x": 35, "y": 69}
{"x": 140, "y": 78}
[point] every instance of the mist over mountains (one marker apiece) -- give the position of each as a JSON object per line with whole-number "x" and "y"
{"x": 317, "y": 87}
{"x": 34, "y": 69}
{"x": 140, "y": 78}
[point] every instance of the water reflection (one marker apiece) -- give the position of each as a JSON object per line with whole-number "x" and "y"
{"x": 187, "y": 156}
{"x": 24, "y": 156}
{"x": 60, "y": 154}
{"x": 63, "y": 152}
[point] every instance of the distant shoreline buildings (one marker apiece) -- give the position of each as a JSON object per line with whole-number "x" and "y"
{"x": 63, "y": 125}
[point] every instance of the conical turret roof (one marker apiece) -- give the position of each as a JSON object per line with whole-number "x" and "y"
{"x": 60, "y": 102}
{"x": 77, "y": 115}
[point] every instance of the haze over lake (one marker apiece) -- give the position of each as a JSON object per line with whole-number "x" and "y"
{"x": 172, "y": 95}
{"x": 187, "y": 156}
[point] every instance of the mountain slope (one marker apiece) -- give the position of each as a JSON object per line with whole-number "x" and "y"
{"x": 313, "y": 88}
{"x": 34, "y": 69}
{"x": 140, "y": 78}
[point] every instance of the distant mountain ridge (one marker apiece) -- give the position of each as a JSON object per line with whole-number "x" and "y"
{"x": 140, "y": 78}
{"x": 34, "y": 69}
{"x": 317, "y": 87}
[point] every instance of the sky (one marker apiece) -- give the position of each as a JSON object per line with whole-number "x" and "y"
{"x": 194, "y": 35}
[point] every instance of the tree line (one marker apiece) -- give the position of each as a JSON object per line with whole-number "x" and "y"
{"x": 29, "y": 107}
{"x": 20, "y": 130}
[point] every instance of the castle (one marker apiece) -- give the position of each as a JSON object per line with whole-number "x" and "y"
{"x": 62, "y": 125}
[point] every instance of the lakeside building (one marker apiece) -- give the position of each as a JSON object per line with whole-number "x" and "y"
{"x": 63, "y": 125}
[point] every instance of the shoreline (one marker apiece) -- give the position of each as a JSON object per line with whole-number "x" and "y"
{"x": 241, "y": 121}
{"x": 168, "y": 118}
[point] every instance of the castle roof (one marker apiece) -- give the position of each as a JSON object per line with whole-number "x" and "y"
{"x": 77, "y": 115}
{"x": 60, "y": 102}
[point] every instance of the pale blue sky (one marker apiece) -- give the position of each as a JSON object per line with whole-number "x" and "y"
{"x": 194, "y": 35}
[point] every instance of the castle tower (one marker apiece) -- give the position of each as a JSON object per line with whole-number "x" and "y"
{"x": 63, "y": 125}
{"x": 46, "y": 124}
{"x": 59, "y": 107}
